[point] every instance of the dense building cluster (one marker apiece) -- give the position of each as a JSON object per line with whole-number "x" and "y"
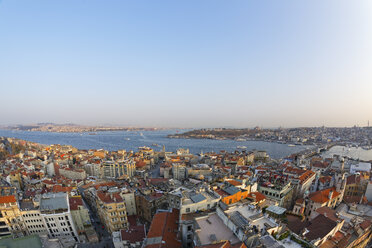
{"x": 59, "y": 196}
{"x": 356, "y": 136}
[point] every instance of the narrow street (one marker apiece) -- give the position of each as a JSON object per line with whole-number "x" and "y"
{"x": 105, "y": 239}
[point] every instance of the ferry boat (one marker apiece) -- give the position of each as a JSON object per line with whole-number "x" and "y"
{"x": 241, "y": 147}
{"x": 291, "y": 145}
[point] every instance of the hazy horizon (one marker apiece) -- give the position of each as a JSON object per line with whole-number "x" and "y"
{"x": 177, "y": 127}
{"x": 186, "y": 64}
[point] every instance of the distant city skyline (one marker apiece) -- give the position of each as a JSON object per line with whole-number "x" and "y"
{"x": 186, "y": 64}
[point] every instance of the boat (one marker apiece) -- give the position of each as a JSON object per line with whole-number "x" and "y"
{"x": 241, "y": 147}
{"x": 240, "y": 139}
{"x": 291, "y": 145}
{"x": 141, "y": 134}
{"x": 92, "y": 133}
{"x": 154, "y": 144}
{"x": 127, "y": 138}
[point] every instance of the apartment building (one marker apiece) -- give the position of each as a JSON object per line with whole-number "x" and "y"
{"x": 111, "y": 169}
{"x": 56, "y": 214}
{"x": 112, "y": 210}
{"x": 10, "y": 217}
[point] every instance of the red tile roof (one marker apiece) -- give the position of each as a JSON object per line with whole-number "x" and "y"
{"x": 306, "y": 176}
{"x": 322, "y": 196}
{"x": 234, "y": 182}
{"x": 59, "y": 188}
{"x": 329, "y": 213}
{"x": 108, "y": 184}
{"x": 165, "y": 225}
{"x": 365, "y": 224}
{"x": 134, "y": 234}
{"x": 325, "y": 179}
{"x": 109, "y": 197}
{"x": 75, "y": 202}
{"x": 256, "y": 196}
{"x": 8, "y": 199}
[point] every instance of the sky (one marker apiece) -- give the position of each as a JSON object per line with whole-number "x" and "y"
{"x": 194, "y": 63}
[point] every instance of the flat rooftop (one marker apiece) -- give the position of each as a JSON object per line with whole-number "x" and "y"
{"x": 253, "y": 216}
{"x": 212, "y": 229}
{"x": 276, "y": 210}
{"x": 56, "y": 201}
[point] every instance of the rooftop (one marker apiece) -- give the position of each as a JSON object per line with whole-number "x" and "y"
{"x": 251, "y": 215}
{"x": 32, "y": 241}
{"x": 212, "y": 229}
{"x": 276, "y": 209}
{"x": 134, "y": 234}
{"x": 75, "y": 202}
{"x": 322, "y": 196}
{"x": 53, "y": 201}
{"x": 7, "y": 199}
{"x": 163, "y": 230}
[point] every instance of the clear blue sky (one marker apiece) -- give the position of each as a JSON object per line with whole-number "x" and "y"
{"x": 202, "y": 63}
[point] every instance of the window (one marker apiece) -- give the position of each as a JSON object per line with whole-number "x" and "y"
{"x": 187, "y": 210}
{"x": 189, "y": 228}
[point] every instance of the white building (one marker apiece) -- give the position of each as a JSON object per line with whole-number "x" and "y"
{"x": 56, "y": 215}
{"x": 360, "y": 167}
{"x": 179, "y": 171}
{"x": 34, "y": 222}
{"x": 93, "y": 169}
{"x": 111, "y": 169}
{"x": 191, "y": 201}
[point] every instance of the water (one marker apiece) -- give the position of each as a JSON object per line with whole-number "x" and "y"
{"x": 351, "y": 152}
{"x": 117, "y": 140}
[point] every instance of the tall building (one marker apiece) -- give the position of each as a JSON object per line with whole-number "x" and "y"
{"x": 130, "y": 201}
{"x": 32, "y": 219}
{"x": 129, "y": 167}
{"x": 111, "y": 169}
{"x": 179, "y": 171}
{"x": 112, "y": 211}
{"x": 56, "y": 214}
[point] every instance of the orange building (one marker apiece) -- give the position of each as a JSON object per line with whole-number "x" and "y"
{"x": 232, "y": 194}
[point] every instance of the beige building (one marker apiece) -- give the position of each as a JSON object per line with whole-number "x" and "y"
{"x": 10, "y": 217}
{"x": 112, "y": 211}
{"x": 69, "y": 173}
{"x": 129, "y": 200}
{"x": 32, "y": 219}
{"x": 323, "y": 198}
{"x": 112, "y": 169}
{"x": 179, "y": 171}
